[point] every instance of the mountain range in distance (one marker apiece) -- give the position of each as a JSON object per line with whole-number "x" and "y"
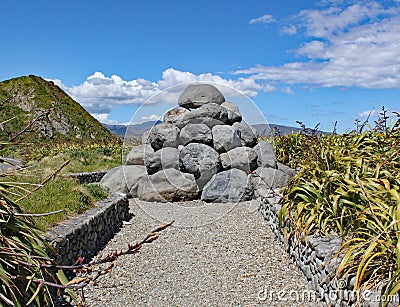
{"x": 136, "y": 130}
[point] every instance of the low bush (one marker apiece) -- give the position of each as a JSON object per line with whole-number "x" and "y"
{"x": 349, "y": 185}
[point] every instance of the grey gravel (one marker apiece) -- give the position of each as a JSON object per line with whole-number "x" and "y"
{"x": 228, "y": 259}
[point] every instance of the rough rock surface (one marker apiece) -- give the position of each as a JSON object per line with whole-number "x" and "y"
{"x": 200, "y": 160}
{"x": 197, "y": 95}
{"x": 243, "y": 158}
{"x": 195, "y": 133}
{"x": 167, "y": 157}
{"x": 248, "y": 134}
{"x": 233, "y": 112}
{"x": 286, "y": 169}
{"x": 210, "y": 114}
{"x": 137, "y": 154}
{"x": 268, "y": 178}
{"x": 121, "y": 179}
{"x": 175, "y": 116}
{"x": 225, "y": 138}
{"x": 205, "y": 137}
{"x": 266, "y": 154}
{"x": 167, "y": 186}
{"x": 228, "y": 186}
{"x": 164, "y": 135}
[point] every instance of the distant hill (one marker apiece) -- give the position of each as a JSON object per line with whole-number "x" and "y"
{"x": 135, "y": 131}
{"x": 25, "y": 98}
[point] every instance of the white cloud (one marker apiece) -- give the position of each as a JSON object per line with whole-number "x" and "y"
{"x": 103, "y": 118}
{"x": 267, "y": 18}
{"x": 289, "y": 30}
{"x": 150, "y": 117}
{"x": 358, "y": 45}
{"x": 99, "y": 93}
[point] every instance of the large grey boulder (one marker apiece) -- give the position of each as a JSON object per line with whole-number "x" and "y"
{"x": 266, "y": 154}
{"x": 248, "y": 134}
{"x": 286, "y": 169}
{"x": 146, "y": 138}
{"x": 233, "y": 112}
{"x": 164, "y": 135}
{"x": 137, "y": 154}
{"x": 167, "y": 157}
{"x": 264, "y": 179}
{"x": 228, "y": 186}
{"x": 225, "y": 138}
{"x": 194, "y": 96}
{"x": 243, "y": 158}
{"x": 175, "y": 116}
{"x": 121, "y": 179}
{"x": 195, "y": 133}
{"x": 167, "y": 186}
{"x": 210, "y": 114}
{"x": 200, "y": 160}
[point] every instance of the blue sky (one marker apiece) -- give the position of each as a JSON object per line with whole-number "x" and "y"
{"x": 315, "y": 61}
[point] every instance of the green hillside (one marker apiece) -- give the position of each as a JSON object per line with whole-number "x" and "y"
{"x": 25, "y": 98}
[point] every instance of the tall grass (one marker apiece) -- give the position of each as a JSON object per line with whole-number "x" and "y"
{"x": 349, "y": 185}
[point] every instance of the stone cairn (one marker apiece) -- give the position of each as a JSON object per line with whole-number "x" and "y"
{"x": 201, "y": 150}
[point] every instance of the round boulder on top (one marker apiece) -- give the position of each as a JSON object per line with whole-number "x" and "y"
{"x": 194, "y": 96}
{"x": 164, "y": 135}
{"x": 195, "y": 133}
{"x": 200, "y": 160}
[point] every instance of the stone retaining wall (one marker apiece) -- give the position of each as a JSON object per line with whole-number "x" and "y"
{"x": 88, "y": 177}
{"x": 317, "y": 262}
{"x": 85, "y": 234}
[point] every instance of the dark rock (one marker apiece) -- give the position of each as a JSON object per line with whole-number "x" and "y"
{"x": 167, "y": 186}
{"x": 233, "y": 112}
{"x": 210, "y": 114}
{"x": 195, "y": 133}
{"x": 194, "y": 96}
{"x": 137, "y": 154}
{"x": 227, "y": 186}
{"x": 175, "y": 116}
{"x": 243, "y": 158}
{"x": 225, "y": 138}
{"x": 200, "y": 160}
{"x": 167, "y": 157}
{"x": 266, "y": 154}
{"x": 164, "y": 135}
{"x": 121, "y": 179}
{"x": 248, "y": 134}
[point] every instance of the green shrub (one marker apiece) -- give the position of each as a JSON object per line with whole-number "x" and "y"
{"x": 349, "y": 185}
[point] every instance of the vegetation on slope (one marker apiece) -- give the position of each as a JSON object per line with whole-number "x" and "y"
{"x": 61, "y": 118}
{"x": 349, "y": 185}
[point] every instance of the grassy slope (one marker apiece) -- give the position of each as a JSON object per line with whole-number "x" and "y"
{"x": 37, "y": 94}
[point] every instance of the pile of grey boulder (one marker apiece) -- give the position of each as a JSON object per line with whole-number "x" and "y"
{"x": 201, "y": 150}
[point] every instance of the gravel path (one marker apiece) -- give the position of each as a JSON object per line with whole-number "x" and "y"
{"x": 231, "y": 258}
